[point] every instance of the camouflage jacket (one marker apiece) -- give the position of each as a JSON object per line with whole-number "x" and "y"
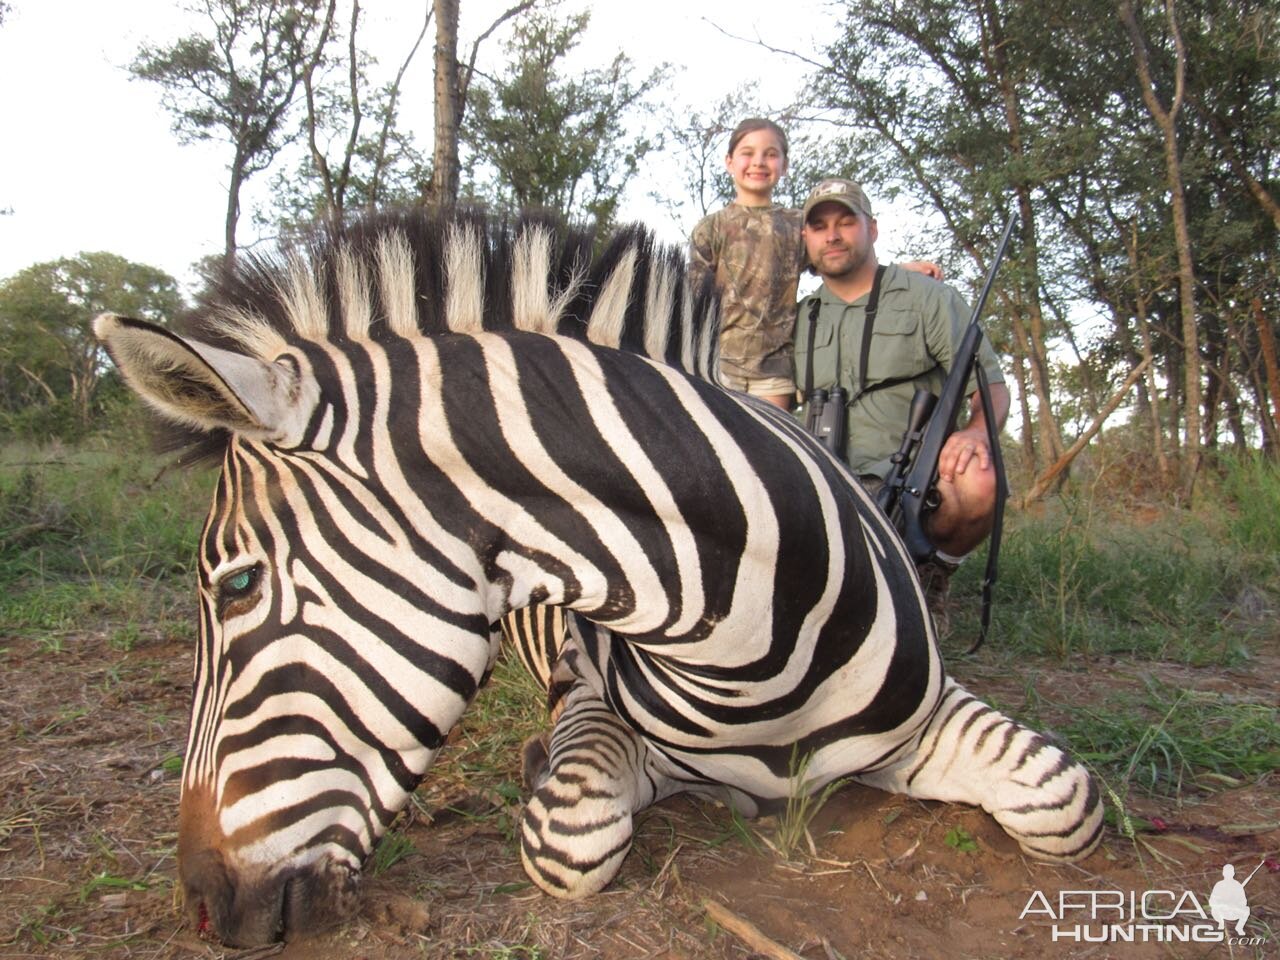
{"x": 754, "y": 256}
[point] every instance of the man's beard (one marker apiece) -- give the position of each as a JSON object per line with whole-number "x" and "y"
{"x": 857, "y": 259}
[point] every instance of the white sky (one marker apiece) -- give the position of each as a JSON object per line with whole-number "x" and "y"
{"x": 90, "y": 163}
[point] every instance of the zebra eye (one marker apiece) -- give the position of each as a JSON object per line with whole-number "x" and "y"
{"x": 238, "y": 583}
{"x": 238, "y": 591}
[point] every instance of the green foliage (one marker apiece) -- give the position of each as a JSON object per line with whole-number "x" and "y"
{"x": 391, "y": 849}
{"x": 359, "y": 157}
{"x": 973, "y": 110}
{"x": 1074, "y": 584}
{"x": 1251, "y": 485}
{"x": 385, "y": 168}
{"x": 960, "y": 840}
{"x": 538, "y": 137}
{"x": 696, "y": 142}
{"x": 239, "y": 81}
{"x": 53, "y": 372}
{"x": 511, "y": 708}
{"x": 107, "y": 881}
{"x": 1167, "y": 740}
{"x": 804, "y": 802}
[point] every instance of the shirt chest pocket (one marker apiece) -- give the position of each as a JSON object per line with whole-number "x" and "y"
{"x": 897, "y": 348}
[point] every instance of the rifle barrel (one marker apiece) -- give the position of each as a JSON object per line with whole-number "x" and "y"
{"x": 991, "y": 274}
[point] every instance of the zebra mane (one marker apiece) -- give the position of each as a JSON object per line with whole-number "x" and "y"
{"x": 420, "y": 272}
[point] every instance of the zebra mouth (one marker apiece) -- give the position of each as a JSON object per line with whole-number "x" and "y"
{"x": 291, "y": 910}
{"x": 203, "y": 928}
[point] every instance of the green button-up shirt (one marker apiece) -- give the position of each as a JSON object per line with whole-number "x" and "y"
{"x": 917, "y": 328}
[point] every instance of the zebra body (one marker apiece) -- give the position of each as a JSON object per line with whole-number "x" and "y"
{"x": 435, "y": 425}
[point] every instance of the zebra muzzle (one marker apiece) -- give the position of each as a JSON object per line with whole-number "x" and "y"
{"x": 244, "y": 910}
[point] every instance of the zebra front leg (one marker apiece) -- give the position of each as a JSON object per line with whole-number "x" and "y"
{"x": 972, "y": 753}
{"x": 577, "y": 826}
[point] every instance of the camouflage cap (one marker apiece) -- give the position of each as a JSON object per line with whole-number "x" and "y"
{"x": 841, "y": 191}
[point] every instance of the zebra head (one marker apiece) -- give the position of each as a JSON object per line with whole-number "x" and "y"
{"x": 345, "y": 615}
{"x": 301, "y": 750}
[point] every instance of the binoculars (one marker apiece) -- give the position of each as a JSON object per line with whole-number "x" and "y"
{"x": 825, "y": 418}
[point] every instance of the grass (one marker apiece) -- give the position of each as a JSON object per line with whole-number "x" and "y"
{"x": 391, "y": 849}
{"x": 1170, "y": 741}
{"x": 791, "y": 834}
{"x": 96, "y": 535}
{"x": 1076, "y": 583}
{"x": 1251, "y": 485}
{"x": 510, "y": 709}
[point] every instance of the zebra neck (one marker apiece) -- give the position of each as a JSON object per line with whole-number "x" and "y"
{"x": 653, "y": 504}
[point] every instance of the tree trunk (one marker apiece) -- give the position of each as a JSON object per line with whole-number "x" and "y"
{"x": 993, "y": 44}
{"x": 1046, "y": 479}
{"x": 1215, "y": 368}
{"x": 1267, "y": 342}
{"x": 1166, "y": 121}
{"x": 1140, "y": 299}
{"x": 443, "y": 188}
{"x": 334, "y": 192}
{"x": 1024, "y": 408}
{"x": 233, "y": 207}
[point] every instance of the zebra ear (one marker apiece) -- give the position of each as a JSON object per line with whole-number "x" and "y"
{"x": 207, "y": 387}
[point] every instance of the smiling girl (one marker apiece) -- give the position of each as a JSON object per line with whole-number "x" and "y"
{"x": 752, "y": 251}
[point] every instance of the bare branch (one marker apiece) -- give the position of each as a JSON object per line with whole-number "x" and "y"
{"x": 1045, "y": 480}
{"x": 760, "y": 42}
{"x": 464, "y": 78}
{"x": 356, "y": 116}
{"x": 380, "y": 159}
{"x": 308, "y": 77}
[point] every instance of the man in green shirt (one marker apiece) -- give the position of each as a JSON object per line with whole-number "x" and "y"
{"x": 918, "y": 323}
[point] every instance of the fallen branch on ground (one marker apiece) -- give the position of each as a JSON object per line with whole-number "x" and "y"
{"x": 747, "y": 932}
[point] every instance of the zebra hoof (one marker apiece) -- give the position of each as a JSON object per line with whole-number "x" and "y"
{"x": 573, "y": 850}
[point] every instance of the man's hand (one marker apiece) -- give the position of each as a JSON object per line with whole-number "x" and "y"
{"x": 927, "y": 267}
{"x": 962, "y": 448}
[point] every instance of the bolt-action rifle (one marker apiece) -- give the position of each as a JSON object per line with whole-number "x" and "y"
{"x": 910, "y": 492}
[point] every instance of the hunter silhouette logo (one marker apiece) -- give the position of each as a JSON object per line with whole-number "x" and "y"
{"x": 1228, "y": 902}
{"x": 1148, "y": 916}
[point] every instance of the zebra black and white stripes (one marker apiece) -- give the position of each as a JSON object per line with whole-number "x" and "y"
{"x": 429, "y": 425}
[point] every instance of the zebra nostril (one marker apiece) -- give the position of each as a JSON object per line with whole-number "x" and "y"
{"x": 202, "y": 921}
{"x": 289, "y": 910}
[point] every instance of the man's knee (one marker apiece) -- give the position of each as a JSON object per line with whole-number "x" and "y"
{"x": 977, "y": 487}
{"x": 971, "y": 497}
